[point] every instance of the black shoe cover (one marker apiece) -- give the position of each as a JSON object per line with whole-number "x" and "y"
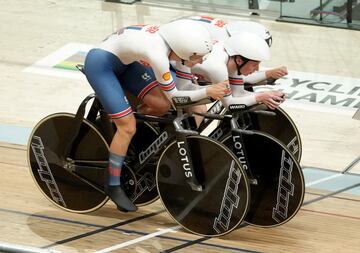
{"x": 118, "y": 195}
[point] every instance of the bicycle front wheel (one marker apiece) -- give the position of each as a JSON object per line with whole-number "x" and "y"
{"x": 279, "y": 191}
{"x": 221, "y": 205}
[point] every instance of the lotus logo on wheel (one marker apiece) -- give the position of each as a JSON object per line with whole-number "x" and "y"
{"x": 239, "y": 151}
{"x": 184, "y": 159}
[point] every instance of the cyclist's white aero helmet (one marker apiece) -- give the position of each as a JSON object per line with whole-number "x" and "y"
{"x": 186, "y": 38}
{"x": 247, "y": 45}
{"x": 235, "y": 27}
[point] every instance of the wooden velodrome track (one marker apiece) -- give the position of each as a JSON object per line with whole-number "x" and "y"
{"x": 329, "y": 220}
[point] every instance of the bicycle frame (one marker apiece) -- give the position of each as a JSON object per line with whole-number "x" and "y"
{"x": 230, "y": 123}
{"x": 173, "y": 128}
{"x": 218, "y": 108}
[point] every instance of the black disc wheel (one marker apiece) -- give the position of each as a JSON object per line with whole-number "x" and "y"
{"x": 278, "y": 192}
{"x": 74, "y": 183}
{"x": 221, "y": 205}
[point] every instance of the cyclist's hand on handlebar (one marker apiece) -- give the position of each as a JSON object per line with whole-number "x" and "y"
{"x": 277, "y": 72}
{"x": 219, "y": 90}
{"x": 271, "y": 99}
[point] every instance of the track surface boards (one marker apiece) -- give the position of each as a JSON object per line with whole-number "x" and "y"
{"x": 329, "y": 219}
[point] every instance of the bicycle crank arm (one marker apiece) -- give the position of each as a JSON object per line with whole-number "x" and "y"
{"x": 72, "y": 165}
{"x": 87, "y": 182}
{"x": 88, "y": 161}
{"x": 75, "y": 167}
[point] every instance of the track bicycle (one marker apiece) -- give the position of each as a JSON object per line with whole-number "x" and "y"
{"x": 68, "y": 154}
{"x": 276, "y": 179}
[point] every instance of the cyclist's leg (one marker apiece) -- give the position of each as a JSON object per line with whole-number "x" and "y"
{"x": 141, "y": 82}
{"x": 125, "y": 130}
{"x": 101, "y": 70}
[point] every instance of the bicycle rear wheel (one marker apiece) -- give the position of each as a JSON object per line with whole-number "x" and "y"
{"x": 221, "y": 205}
{"x": 68, "y": 190}
{"x": 279, "y": 192}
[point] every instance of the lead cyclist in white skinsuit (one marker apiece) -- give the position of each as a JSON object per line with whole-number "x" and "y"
{"x": 218, "y": 66}
{"x": 234, "y": 27}
{"x": 221, "y": 30}
{"x": 116, "y": 65}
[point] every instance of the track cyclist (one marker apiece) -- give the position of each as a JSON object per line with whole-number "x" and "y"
{"x": 137, "y": 59}
{"x": 235, "y": 58}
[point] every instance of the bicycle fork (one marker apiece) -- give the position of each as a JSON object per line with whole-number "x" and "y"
{"x": 184, "y": 153}
{"x": 239, "y": 148}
